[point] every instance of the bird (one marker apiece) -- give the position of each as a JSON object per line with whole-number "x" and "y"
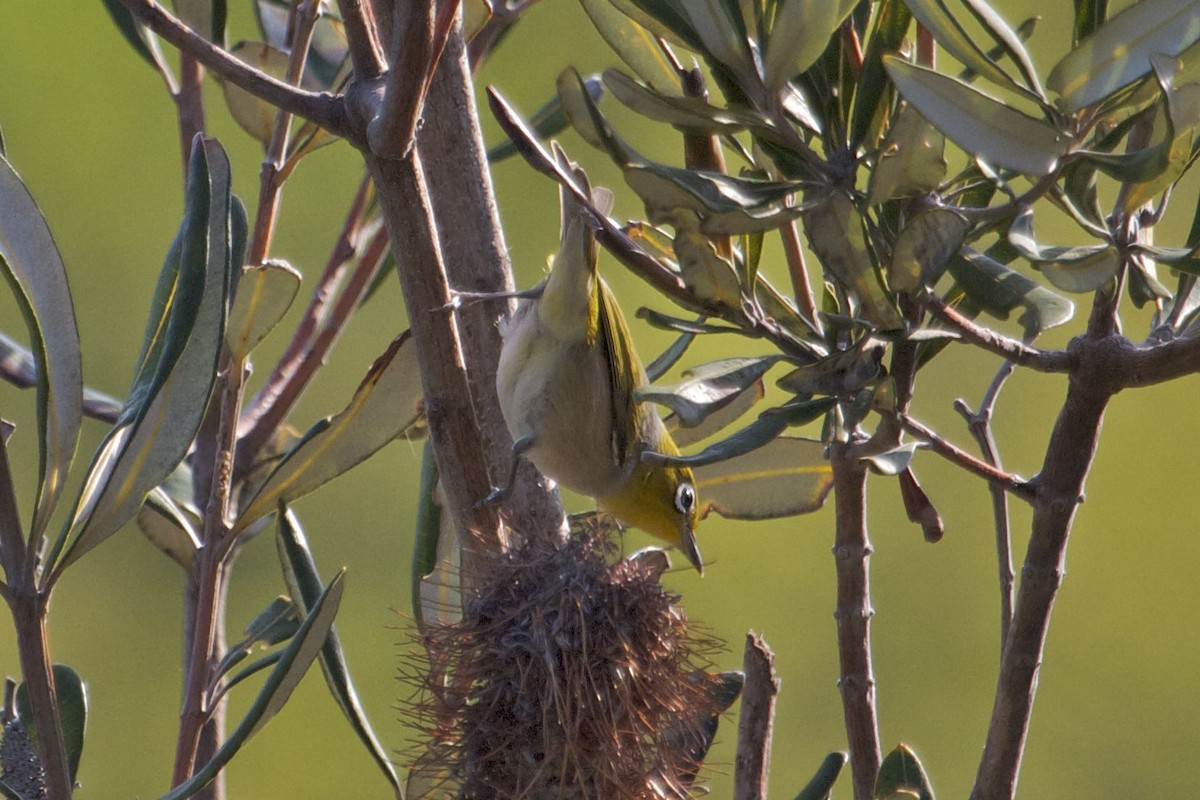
{"x": 567, "y": 380}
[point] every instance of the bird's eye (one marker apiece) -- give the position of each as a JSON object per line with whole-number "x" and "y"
{"x": 685, "y": 498}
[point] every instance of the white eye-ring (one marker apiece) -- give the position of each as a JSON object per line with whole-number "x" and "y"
{"x": 685, "y": 498}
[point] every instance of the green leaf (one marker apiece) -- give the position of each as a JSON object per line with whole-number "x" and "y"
{"x": 1072, "y": 269}
{"x": 169, "y": 528}
{"x": 708, "y": 388}
{"x": 304, "y": 583}
{"x": 725, "y": 205}
{"x": 769, "y": 425}
{"x": 799, "y": 35}
{"x": 1089, "y": 15}
{"x": 719, "y": 27}
{"x": 436, "y": 592}
{"x": 981, "y": 125}
{"x": 783, "y": 478}
{"x": 256, "y": 117}
{"x": 33, "y": 269}
{"x": 684, "y": 113}
{"x": 549, "y": 120}
{"x": 264, "y": 294}
{"x": 704, "y": 271}
{"x": 923, "y": 249}
{"x": 912, "y": 160}
{"x": 999, "y": 290}
{"x": 670, "y": 357}
{"x": 892, "y": 462}
{"x": 72, "y": 712}
{"x": 718, "y": 420}
{"x": 1176, "y": 129}
{"x": 821, "y": 784}
{"x": 143, "y": 41}
{"x": 840, "y": 374}
{"x": 386, "y": 403}
{"x": 901, "y": 773}
{"x": 837, "y": 233}
{"x": 293, "y": 662}
{"x": 173, "y": 384}
{"x": 203, "y": 17}
{"x": 950, "y": 34}
{"x": 634, "y": 43}
{"x": 1119, "y": 52}
{"x": 277, "y": 623}
{"x": 892, "y": 19}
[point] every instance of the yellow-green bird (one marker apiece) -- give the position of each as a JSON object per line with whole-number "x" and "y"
{"x": 566, "y": 382}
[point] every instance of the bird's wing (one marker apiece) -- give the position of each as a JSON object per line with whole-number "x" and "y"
{"x": 626, "y": 373}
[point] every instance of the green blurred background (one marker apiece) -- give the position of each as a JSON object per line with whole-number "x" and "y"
{"x": 90, "y": 129}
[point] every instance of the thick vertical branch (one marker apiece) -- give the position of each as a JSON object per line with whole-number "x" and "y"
{"x": 476, "y": 258}
{"x": 1059, "y": 491}
{"x": 457, "y": 440}
{"x": 852, "y": 554}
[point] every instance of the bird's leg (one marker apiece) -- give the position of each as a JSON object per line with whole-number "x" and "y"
{"x": 460, "y": 299}
{"x": 519, "y": 448}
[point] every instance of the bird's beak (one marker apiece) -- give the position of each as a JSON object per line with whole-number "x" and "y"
{"x": 687, "y": 543}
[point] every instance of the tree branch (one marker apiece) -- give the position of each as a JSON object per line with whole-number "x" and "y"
{"x": 362, "y": 39}
{"x": 756, "y": 721}
{"x": 951, "y": 452}
{"x": 322, "y": 108}
{"x": 1009, "y": 349}
{"x": 1069, "y": 457}
{"x": 852, "y": 554}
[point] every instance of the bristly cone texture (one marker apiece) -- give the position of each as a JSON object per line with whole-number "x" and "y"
{"x": 569, "y": 677}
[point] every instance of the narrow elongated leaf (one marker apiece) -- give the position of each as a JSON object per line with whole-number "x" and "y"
{"x": 924, "y": 247}
{"x": 785, "y": 477}
{"x": 719, "y": 27}
{"x": 635, "y": 44}
{"x": 549, "y": 120}
{"x": 293, "y": 662}
{"x": 950, "y": 34}
{"x": 171, "y": 391}
{"x": 837, "y": 233}
{"x": 821, "y": 783}
{"x": 33, "y": 269}
{"x": 999, "y": 290}
{"x": 901, "y": 774}
{"x": 718, "y": 420}
{"x": 841, "y": 374}
{"x": 892, "y": 19}
{"x": 169, "y": 528}
{"x": 708, "y": 388}
{"x": 893, "y": 462}
{"x": 769, "y": 424}
{"x": 143, "y": 41}
{"x": 1119, "y": 52}
{"x": 799, "y": 36}
{"x": 979, "y": 124}
{"x": 304, "y": 583}
{"x": 256, "y": 117}
{"x": 72, "y": 712}
{"x": 386, "y": 403}
{"x": 1179, "y": 125}
{"x": 704, "y": 271}
{"x": 911, "y": 161}
{"x": 685, "y": 113}
{"x": 264, "y": 294}
{"x": 276, "y": 623}
{"x": 1072, "y": 269}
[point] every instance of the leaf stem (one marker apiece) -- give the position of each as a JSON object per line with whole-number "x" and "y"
{"x": 951, "y": 452}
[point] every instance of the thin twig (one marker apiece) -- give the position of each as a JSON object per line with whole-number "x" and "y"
{"x": 29, "y": 620}
{"x": 789, "y": 234}
{"x": 756, "y": 721}
{"x": 979, "y": 423}
{"x": 262, "y": 418}
{"x": 322, "y": 108}
{"x": 952, "y": 452}
{"x": 1009, "y": 349}
{"x": 504, "y": 16}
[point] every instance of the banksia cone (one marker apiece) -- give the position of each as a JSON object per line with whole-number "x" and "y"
{"x": 568, "y": 677}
